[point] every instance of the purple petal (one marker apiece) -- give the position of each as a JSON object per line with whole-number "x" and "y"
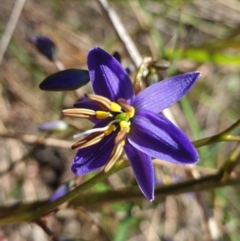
{"x": 93, "y": 157}
{"x": 108, "y": 77}
{"x": 86, "y": 104}
{"x": 69, "y": 79}
{"x": 60, "y": 192}
{"x": 143, "y": 170}
{"x": 156, "y": 136}
{"x": 163, "y": 94}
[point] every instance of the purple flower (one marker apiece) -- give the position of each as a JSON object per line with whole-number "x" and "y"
{"x": 131, "y": 123}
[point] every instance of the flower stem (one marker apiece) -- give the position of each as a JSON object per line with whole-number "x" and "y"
{"x": 20, "y": 213}
{"x": 42, "y": 223}
{"x": 223, "y": 136}
{"x": 230, "y": 164}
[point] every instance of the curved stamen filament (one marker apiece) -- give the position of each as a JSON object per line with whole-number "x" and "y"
{"x": 120, "y": 136}
{"x": 89, "y": 140}
{"x": 116, "y": 153}
{"x": 101, "y": 129}
{"x": 124, "y": 104}
{"x": 104, "y": 102}
{"x": 131, "y": 113}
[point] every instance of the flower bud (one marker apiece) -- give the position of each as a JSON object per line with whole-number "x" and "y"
{"x": 53, "y": 126}
{"x": 45, "y": 46}
{"x": 69, "y": 79}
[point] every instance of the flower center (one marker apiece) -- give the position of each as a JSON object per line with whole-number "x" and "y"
{"x": 122, "y": 117}
{"x": 119, "y": 115}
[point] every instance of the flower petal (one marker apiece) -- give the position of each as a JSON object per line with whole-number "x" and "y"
{"x": 60, "y": 192}
{"x": 163, "y": 94}
{"x": 156, "y": 136}
{"x": 143, "y": 170}
{"x": 93, "y": 157}
{"x": 69, "y": 79}
{"x": 86, "y": 104}
{"x": 108, "y": 77}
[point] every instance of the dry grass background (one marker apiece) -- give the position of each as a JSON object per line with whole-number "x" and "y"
{"x": 193, "y": 35}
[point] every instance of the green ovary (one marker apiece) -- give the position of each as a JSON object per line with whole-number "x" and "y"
{"x": 122, "y": 117}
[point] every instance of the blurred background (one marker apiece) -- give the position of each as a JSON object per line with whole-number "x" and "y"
{"x": 191, "y": 35}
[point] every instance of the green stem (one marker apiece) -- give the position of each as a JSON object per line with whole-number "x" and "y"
{"x": 231, "y": 128}
{"x": 207, "y": 141}
{"x": 134, "y": 193}
{"x": 232, "y": 138}
{"x": 18, "y": 213}
{"x": 125, "y": 194}
{"x": 223, "y": 136}
{"x": 231, "y": 162}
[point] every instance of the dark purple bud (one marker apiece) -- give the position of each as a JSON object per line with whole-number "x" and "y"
{"x": 45, "y": 46}
{"x": 117, "y": 56}
{"x": 69, "y": 79}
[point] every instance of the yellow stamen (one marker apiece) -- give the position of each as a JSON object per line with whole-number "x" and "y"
{"x": 124, "y": 125}
{"x": 123, "y": 143}
{"x": 116, "y": 153}
{"x": 102, "y": 114}
{"x": 120, "y": 136}
{"x": 110, "y": 130}
{"x": 131, "y": 113}
{"x": 115, "y": 107}
{"x": 89, "y": 140}
{"x": 79, "y": 112}
{"x": 100, "y": 100}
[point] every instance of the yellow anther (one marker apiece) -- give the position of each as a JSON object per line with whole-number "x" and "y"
{"x": 102, "y": 114}
{"x": 131, "y": 113}
{"x": 123, "y": 143}
{"x": 109, "y": 130}
{"x": 115, "y": 107}
{"x": 125, "y": 125}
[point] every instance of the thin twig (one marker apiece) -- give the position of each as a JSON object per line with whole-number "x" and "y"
{"x": 32, "y": 139}
{"x": 127, "y": 42}
{"x": 42, "y": 223}
{"x": 121, "y": 32}
{"x": 29, "y": 212}
{"x": 16, "y": 12}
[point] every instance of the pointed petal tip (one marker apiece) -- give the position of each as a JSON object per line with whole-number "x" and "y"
{"x": 167, "y": 92}
{"x": 108, "y": 77}
{"x": 197, "y": 74}
{"x": 150, "y": 197}
{"x": 155, "y": 135}
{"x": 97, "y": 50}
{"x": 194, "y": 75}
